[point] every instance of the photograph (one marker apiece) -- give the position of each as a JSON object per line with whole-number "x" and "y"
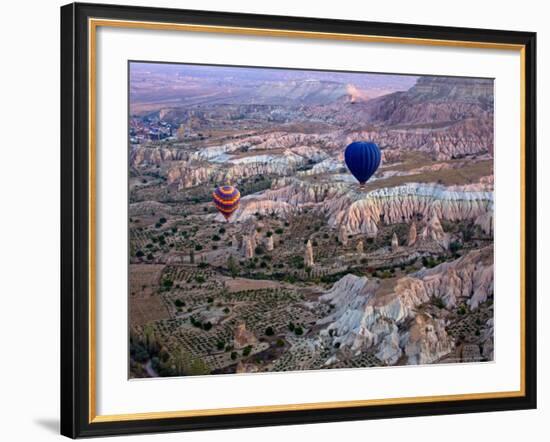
{"x": 287, "y": 220}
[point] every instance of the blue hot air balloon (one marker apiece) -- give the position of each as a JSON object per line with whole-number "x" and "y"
{"x": 362, "y": 159}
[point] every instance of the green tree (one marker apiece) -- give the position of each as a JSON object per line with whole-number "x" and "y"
{"x": 232, "y": 266}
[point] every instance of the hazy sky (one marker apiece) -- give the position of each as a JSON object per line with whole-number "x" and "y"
{"x": 139, "y": 70}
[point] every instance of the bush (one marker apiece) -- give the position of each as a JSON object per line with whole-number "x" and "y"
{"x": 198, "y": 247}
{"x": 233, "y": 355}
{"x": 221, "y": 231}
{"x": 279, "y": 231}
{"x": 269, "y": 233}
{"x": 247, "y": 350}
{"x": 139, "y": 254}
{"x": 200, "y": 279}
{"x": 207, "y": 326}
{"x": 298, "y": 331}
{"x": 162, "y": 220}
{"x": 291, "y": 326}
{"x": 455, "y": 246}
{"x": 220, "y": 345}
{"x": 269, "y": 331}
{"x": 215, "y": 238}
{"x": 179, "y": 303}
{"x": 438, "y": 302}
{"x": 280, "y": 343}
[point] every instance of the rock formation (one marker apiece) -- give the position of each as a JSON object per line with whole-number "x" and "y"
{"x": 343, "y": 236}
{"x": 268, "y": 242}
{"x": 394, "y": 242}
{"x": 360, "y": 247}
{"x": 249, "y": 245}
{"x": 308, "y": 256}
{"x": 362, "y": 320}
{"x": 250, "y": 207}
{"x": 153, "y": 156}
{"x": 243, "y": 337}
{"x": 426, "y": 340}
{"x": 243, "y": 367}
{"x": 402, "y": 203}
{"x": 434, "y": 231}
{"x": 411, "y": 240}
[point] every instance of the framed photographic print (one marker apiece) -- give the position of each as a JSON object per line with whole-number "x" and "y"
{"x": 279, "y": 220}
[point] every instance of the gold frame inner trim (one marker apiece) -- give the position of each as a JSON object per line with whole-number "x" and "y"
{"x": 93, "y": 24}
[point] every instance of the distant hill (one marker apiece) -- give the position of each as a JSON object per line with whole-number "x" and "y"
{"x": 435, "y": 100}
{"x": 166, "y": 85}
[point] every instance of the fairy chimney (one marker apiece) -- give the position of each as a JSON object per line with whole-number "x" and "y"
{"x": 343, "y": 236}
{"x": 412, "y": 234}
{"x": 308, "y": 258}
{"x": 394, "y": 242}
{"x": 269, "y": 243}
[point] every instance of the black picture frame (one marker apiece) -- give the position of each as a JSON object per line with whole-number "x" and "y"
{"x": 75, "y": 220}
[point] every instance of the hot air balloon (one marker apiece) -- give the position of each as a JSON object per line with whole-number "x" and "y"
{"x": 362, "y": 159}
{"x": 226, "y": 200}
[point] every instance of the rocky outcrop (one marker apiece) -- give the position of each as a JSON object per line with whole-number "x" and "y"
{"x": 251, "y": 206}
{"x": 191, "y": 174}
{"x": 155, "y": 155}
{"x": 403, "y": 203}
{"x": 363, "y": 320}
{"x": 360, "y": 247}
{"x": 426, "y": 340}
{"x": 249, "y": 245}
{"x": 352, "y": 212}
{"x": 435, "y": 99}
{"x": 243, "y": 337}
{"x": 243, "y": 367}
{"x": 468, "y": 279}
{"x": 434, "y": 232}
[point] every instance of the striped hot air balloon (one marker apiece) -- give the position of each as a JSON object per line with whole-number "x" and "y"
{"x": 226, "y": 200}
{"x": 362, "y": 159}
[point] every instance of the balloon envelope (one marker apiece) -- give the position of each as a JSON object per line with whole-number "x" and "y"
{"x": 362, "y": 159}
{"x": 226, "y": 200}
